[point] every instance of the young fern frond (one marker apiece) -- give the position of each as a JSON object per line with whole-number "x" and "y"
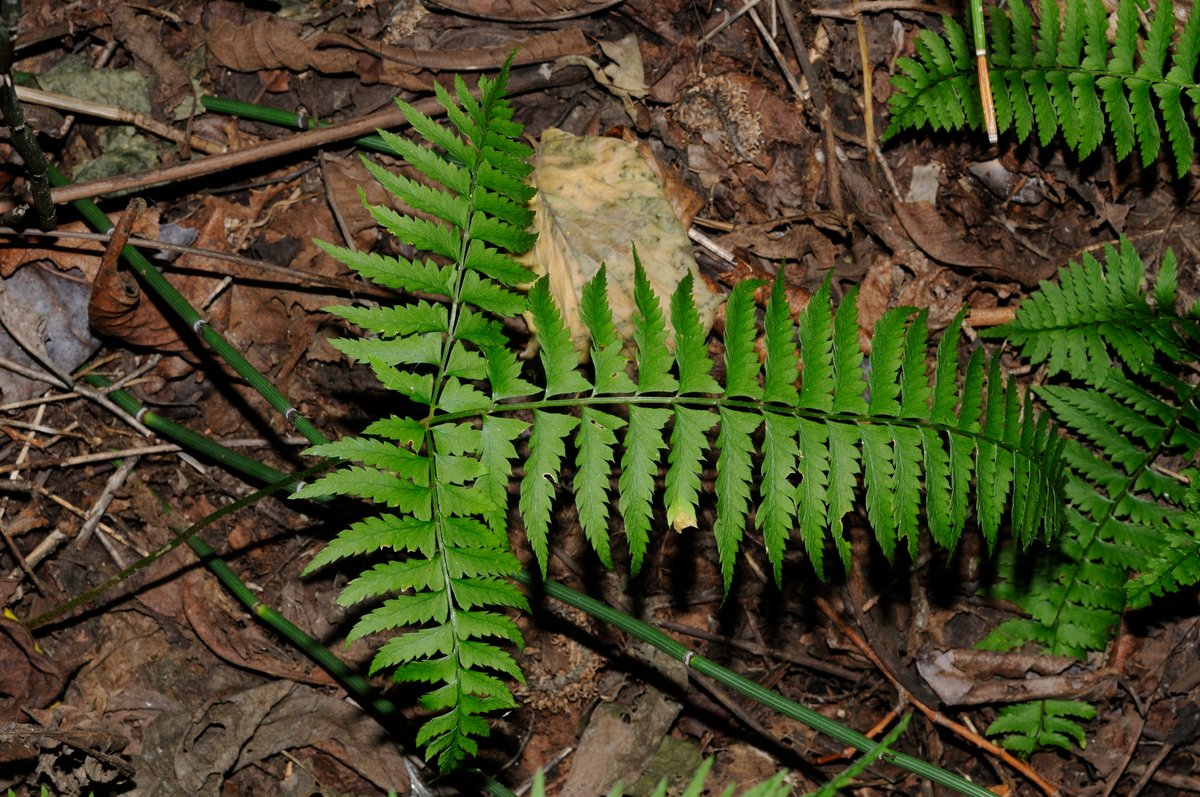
{"x": 791, "y": 436}
{"x": 1065, "y": 77}
{"x": 1033, "y": 726}
{"x": 1131, "y": 521}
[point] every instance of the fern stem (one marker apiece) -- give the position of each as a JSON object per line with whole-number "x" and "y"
{"x": 818, "y": 722}
{"x": 185, "y": 437}
{"x": 354, "y": 683}
{"x": 746, "y": 405}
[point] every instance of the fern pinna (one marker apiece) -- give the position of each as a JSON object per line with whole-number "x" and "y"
{"x": 1067, "y": 77}
{"x": 1132, "y": 532}
{"x": 914, "y": 440}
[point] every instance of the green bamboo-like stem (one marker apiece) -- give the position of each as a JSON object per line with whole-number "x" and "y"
{"x": 182, "y": 308}
{"x": 818, "y": 722}
{"x": 185, "y": 437}
{"x": 275, "y": 116}
{"x": 354, "y": 683}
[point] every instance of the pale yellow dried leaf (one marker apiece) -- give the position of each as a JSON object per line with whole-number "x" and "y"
{"x": 597, "y": 199}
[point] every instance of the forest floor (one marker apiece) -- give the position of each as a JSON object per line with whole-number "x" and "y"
{"x": 165, "y": 685}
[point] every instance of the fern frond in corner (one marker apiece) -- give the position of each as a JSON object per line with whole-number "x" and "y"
{"x": 1066, "y": 77}
{"x": 1028, "y": 727}
{"x": 443, "y": 484}
{"x": 1131, "y": 518}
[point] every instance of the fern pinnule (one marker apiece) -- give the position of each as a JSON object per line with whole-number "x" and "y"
{"x": 1066, "y": 78}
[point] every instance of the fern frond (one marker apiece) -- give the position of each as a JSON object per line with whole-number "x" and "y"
{"x": 1066, "y": 77}
{"x": 634, "y": 426}
{"x": 1028, "y": 727}
{"x": 446, "y": 482}
{"x": 1132, "y": 528}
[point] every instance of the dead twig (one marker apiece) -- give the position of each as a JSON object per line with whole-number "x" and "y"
{"x": 110, "y": 113}
{"x": 390, "y": 117}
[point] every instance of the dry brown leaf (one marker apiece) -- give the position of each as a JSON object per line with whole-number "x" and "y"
{"x": 268, "y": 42}
{"x": 596, "y": 199}
{"x": 29, "y": 678}
{"x": 524, "y": 10}
{"x": 142, "y": 37}
{"x": 624, "y": 77}
{"x": 930, "y": 232}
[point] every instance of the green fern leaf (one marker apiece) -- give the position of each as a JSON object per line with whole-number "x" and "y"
{"x": 825, "y": 412}
{"x": 849, "y": 394}
{"x": 684, "y": 460}
{"x": 691, "y": 351}
{"x": 650, "y": 332}
{"x": 741, "y": 362}
{"x": 915, "y": 393}
{"x": 396, "y": 273}
{"x": 783, "y": 360}
{"x": 777, "y": 512}
{"x": 879, "y": 474}
{"x": 639, "y": 469}
{"x": 446, "y": 477}
{"x": 546, "y": 452}
{"x": 1123, "y": 516}
{"x": 816, "y": 346}
{"x": 494, "y": 263}
{"x": 559, "y": 357}
{"x": 883, "y": 381}
{"x": 1028, "y": 727}
{"x": 814, "y": 517}
{"x": 596, "y": 439}
{"x": 907, "y": 444}
{"x": 608, "y": 362}
{"x": 1065, "y": 78}
{"x": 451, "y": 208}
{"x": 733, "y": 484}
{"x": 843, "y": 476}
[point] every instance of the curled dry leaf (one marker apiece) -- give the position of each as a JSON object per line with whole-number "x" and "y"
{"x": 523, "y": 10}
{"x": 597, "y": 198}
{"x": 268, "y": 42}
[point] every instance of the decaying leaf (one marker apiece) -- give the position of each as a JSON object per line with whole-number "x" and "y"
{"x": 625, "y": 77}
{"x": 597, "y": 198}
{"x": 539, "y": 11}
